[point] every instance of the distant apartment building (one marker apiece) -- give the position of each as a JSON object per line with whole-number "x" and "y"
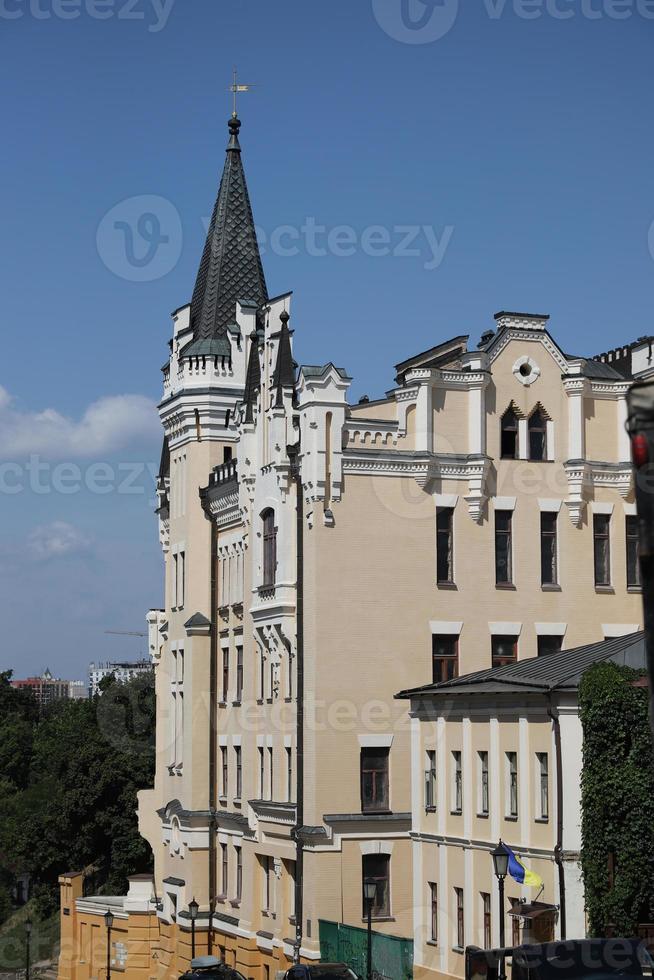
{"x": 47, "y": 689}
{"x": 122, "y": 670}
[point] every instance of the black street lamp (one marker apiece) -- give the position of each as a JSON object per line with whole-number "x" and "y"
{"x": 500, "y": 857}
{"x": 193, "y": 909}
{"x": 108, "y": 921}
{"x": 369, "y": 893}
{"x": 28, "y": 934}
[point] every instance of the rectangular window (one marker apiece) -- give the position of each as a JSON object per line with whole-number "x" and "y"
{"x": 377, "y": 867}
{"x": 515, "y": 924}
{"x": 239, "y": 674}
{"x": 225, "y": 772}
{"x": 445, "y": 545}
{"x": 445, "y": 656}
{"x": 602, "y": 548}
{"x": 269, "y": 548}
{"x": 267, "y": 870}
{"x": 225, "y": 872}
{"x": 503, "y": 547}
{"x": 374, "y": 780}
{"x": 542, "y": 773}
{"x": 239, "y": 771}
{"x": 433, "y": 903}
{"x": 225, "y": 676}
{"x": 271, "y": 775}
{"x": 486, "y": 918}
{"x": 457, "y": 783}
{"x": 511, "y": 784}
{"x": 548, "y": 645}
{"x": 182, "y": 583}
{"x": 549, "y": 573}
{"x": 633, "y": 563}
{"x": 262, "y": 774}
{"x": 239, "y": 873}
{"x": 482, "y": 791}
{"x": 289, "y": 774}
{"x": 430, "y": 781}
{"x": 504, "y": 650}
{"x": 460, "y": 918}
{"x": 262, "y": 676}
{"x": 175, "y": 581}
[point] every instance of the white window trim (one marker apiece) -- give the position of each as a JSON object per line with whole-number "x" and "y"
{"x": 504, "y": 503}
{"x": 551, "y": 629}
{"x": 505, "y": 629}
{"x": 443, "y": 628}
{"x": 376, "y": 847}
{"x": 630, "y": 510}
{"x": 613, "y": 630}
{"x": 600, "y": 507}
{"x": 449, "y": 500}
{"x": 548, "y": 505}
{"x": 372, "y": 741}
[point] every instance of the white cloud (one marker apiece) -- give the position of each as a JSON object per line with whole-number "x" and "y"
{"x": 56, "y": 540}
{"x": 108, "y": 425}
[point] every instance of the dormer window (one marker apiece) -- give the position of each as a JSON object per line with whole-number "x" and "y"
{"x": 537, "y": 428}
{"x": 269, "y": 548}
{"x": 509, "y": 435}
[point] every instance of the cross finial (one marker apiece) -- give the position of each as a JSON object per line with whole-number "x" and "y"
{"x": 236, "y": 89}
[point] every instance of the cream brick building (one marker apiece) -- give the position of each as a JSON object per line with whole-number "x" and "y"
{"x": 321, "y": 556}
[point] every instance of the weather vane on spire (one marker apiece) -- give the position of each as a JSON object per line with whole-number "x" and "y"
{"x": 236, "y": 89}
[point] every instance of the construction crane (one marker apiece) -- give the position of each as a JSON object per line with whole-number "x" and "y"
{"x": 125, "y": 633}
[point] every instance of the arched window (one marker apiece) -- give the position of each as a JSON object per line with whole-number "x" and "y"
{"x": 269, "y": 547}
{"x": 509, "y": 440}
{"x": 537, "y": 436}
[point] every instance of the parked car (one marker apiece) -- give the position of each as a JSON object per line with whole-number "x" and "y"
{"x": 210, "y": 968}
{"x": 321, "y": 971}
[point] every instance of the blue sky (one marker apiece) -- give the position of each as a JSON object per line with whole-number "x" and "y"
{"x": 512, "y": 140}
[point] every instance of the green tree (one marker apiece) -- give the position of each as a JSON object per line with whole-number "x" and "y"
{"x": 617, "y": 789}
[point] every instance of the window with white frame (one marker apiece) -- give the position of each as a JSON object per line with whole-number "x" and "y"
{"x": 457, "y": 783}
{"x": 430, "y": 780}
{"x": 542, "y": 786}
{"x": 482, "y": 784}
{"x": 511, "y": 772}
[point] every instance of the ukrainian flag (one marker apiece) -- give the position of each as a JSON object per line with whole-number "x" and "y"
{"x": 522, "y": 874}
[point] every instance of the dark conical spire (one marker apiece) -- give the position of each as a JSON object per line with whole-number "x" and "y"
{"x": 284, "y": 376}
{"x": 253, "y": 378}
{"x": 230, "y": 268}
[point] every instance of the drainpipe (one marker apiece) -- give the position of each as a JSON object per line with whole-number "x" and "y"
{"x": 294, "y": 453}
{"x": 213, "y": 674}
{"x": 558, "y": 850}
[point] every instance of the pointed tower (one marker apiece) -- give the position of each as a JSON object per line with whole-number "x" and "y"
{"x": 230, "y": 268}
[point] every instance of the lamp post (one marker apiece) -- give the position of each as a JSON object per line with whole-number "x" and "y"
{"x": 500, "y": 857}
{"x": 108, "y": 921}
{"x": 28, "y": 934}
{"x": 193, "y": 908}
{"x": 369, "y": 893}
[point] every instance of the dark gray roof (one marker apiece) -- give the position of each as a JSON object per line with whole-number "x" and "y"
{"x": 595, "y": 369}
{"x": 556, "y": 672}
{"x": 197, "y": 619}
{"x": 231, "y": 264}
{"x": 440, "y": 356}
{"x": 318, "y": 370}
{"x": 252, "y": 378}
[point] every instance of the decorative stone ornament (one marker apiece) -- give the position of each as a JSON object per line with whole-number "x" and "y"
{"x": 526, "y": 371}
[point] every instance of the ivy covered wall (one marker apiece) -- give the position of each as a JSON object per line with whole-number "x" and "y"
{"x": 617, "y": 801}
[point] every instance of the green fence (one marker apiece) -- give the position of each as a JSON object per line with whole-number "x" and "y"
{"x": 392, "y": 957}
